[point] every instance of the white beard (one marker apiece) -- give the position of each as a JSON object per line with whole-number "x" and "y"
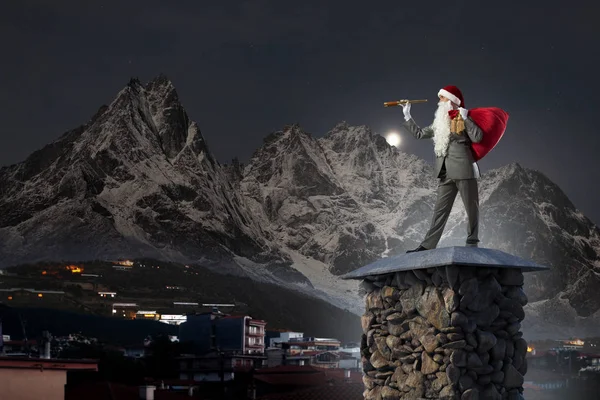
{"x": 441, "y": 128}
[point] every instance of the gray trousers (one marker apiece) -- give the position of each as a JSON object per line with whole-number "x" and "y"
{"x": 446, "y": 194}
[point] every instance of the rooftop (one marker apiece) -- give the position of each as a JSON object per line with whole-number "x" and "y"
{"x": 343, "y": 391}
{"x": 282, "y": 369}
{"x": 101, "y": 391}
{"x": 289, "y": 375}
{"x": 313, "y": 353}
{"x": 45, "y": 363}
{"x": 31, "y": 290}
{"x": 444, "y": 256}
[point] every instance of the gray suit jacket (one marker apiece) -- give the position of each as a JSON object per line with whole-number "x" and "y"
{"x": 459, "y": 161}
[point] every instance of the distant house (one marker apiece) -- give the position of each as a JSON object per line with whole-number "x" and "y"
{"x": 214, "y": 366}
{"x": 125, "y": 310}
{"x": 591, "y": 359}
{"x": 147, "y": 314}
{"x": 318, "y": 358}
{"x": 210, "y": 331}
{"x": 28, "y": 294}
{"x": 9, "y": 347}
{"x": 33, "y": 378}
{"x": 544, "y": 382}
{"x": 348, "y": 362}
{"x": 283, "y": 337}
{"x": 303, "y": 344}
{"x": 292, "y": 348}
{"x": 173, "y": 319}
{"x": 221, "y": 343}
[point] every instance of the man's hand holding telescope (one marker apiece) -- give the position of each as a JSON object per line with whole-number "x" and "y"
{"x": 405, "y": 105}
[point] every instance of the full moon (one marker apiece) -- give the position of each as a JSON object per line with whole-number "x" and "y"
{"x": 393, "y": 138}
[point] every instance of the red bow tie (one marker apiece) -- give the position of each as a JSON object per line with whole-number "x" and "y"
{"x": 453, "y": 113}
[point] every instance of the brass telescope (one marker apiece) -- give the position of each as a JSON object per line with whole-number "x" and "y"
{"x": 399, "y": 102}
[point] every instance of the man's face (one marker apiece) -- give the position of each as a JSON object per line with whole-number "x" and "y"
{"x": 444, "y": 99}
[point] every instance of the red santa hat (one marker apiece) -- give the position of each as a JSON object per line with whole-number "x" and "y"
{"x": 453, "y": 94}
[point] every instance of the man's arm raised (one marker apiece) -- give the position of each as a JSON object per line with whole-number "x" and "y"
{"x": 412, "y": 127}
{"x": 419, "y": 133}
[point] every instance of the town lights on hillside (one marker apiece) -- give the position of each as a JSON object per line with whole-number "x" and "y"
{"x": 576, "y": 342}
{"x": 125, "y": 263}
{"x": 73, "y": 268}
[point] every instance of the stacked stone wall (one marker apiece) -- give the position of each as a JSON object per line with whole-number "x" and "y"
{"x": 444, "y": 333}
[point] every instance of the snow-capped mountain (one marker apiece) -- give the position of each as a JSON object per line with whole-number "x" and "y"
{"x": 337, "y": 199}
{"x": 138, "y": 180}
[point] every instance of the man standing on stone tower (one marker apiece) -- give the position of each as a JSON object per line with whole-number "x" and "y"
{"x": 453, "y": 133}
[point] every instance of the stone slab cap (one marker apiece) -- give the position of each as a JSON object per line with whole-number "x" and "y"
{"x": 441, "y": 257}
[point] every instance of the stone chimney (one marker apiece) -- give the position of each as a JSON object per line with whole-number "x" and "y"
{"x": 444, "y": 324}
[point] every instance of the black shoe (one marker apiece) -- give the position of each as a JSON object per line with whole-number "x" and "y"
{"x": 420, "y": 248}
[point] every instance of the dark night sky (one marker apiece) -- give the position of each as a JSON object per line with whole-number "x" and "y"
{"x": 247, "y": 68}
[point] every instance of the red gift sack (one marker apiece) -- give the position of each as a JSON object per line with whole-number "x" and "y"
{"x": 492, "y": 121}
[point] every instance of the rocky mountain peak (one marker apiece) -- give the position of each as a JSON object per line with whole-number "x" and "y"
{"x": 344, "y": 138}
{"x": 524, "y": 184}
{"x": 160, "y": 80}
{"x": 293, "y": 159}
{"x": 140, "y": 119}
{"x": 161, "y": 93}
{"x": 40, "y": 160}
{"x": 290, "y": 134}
